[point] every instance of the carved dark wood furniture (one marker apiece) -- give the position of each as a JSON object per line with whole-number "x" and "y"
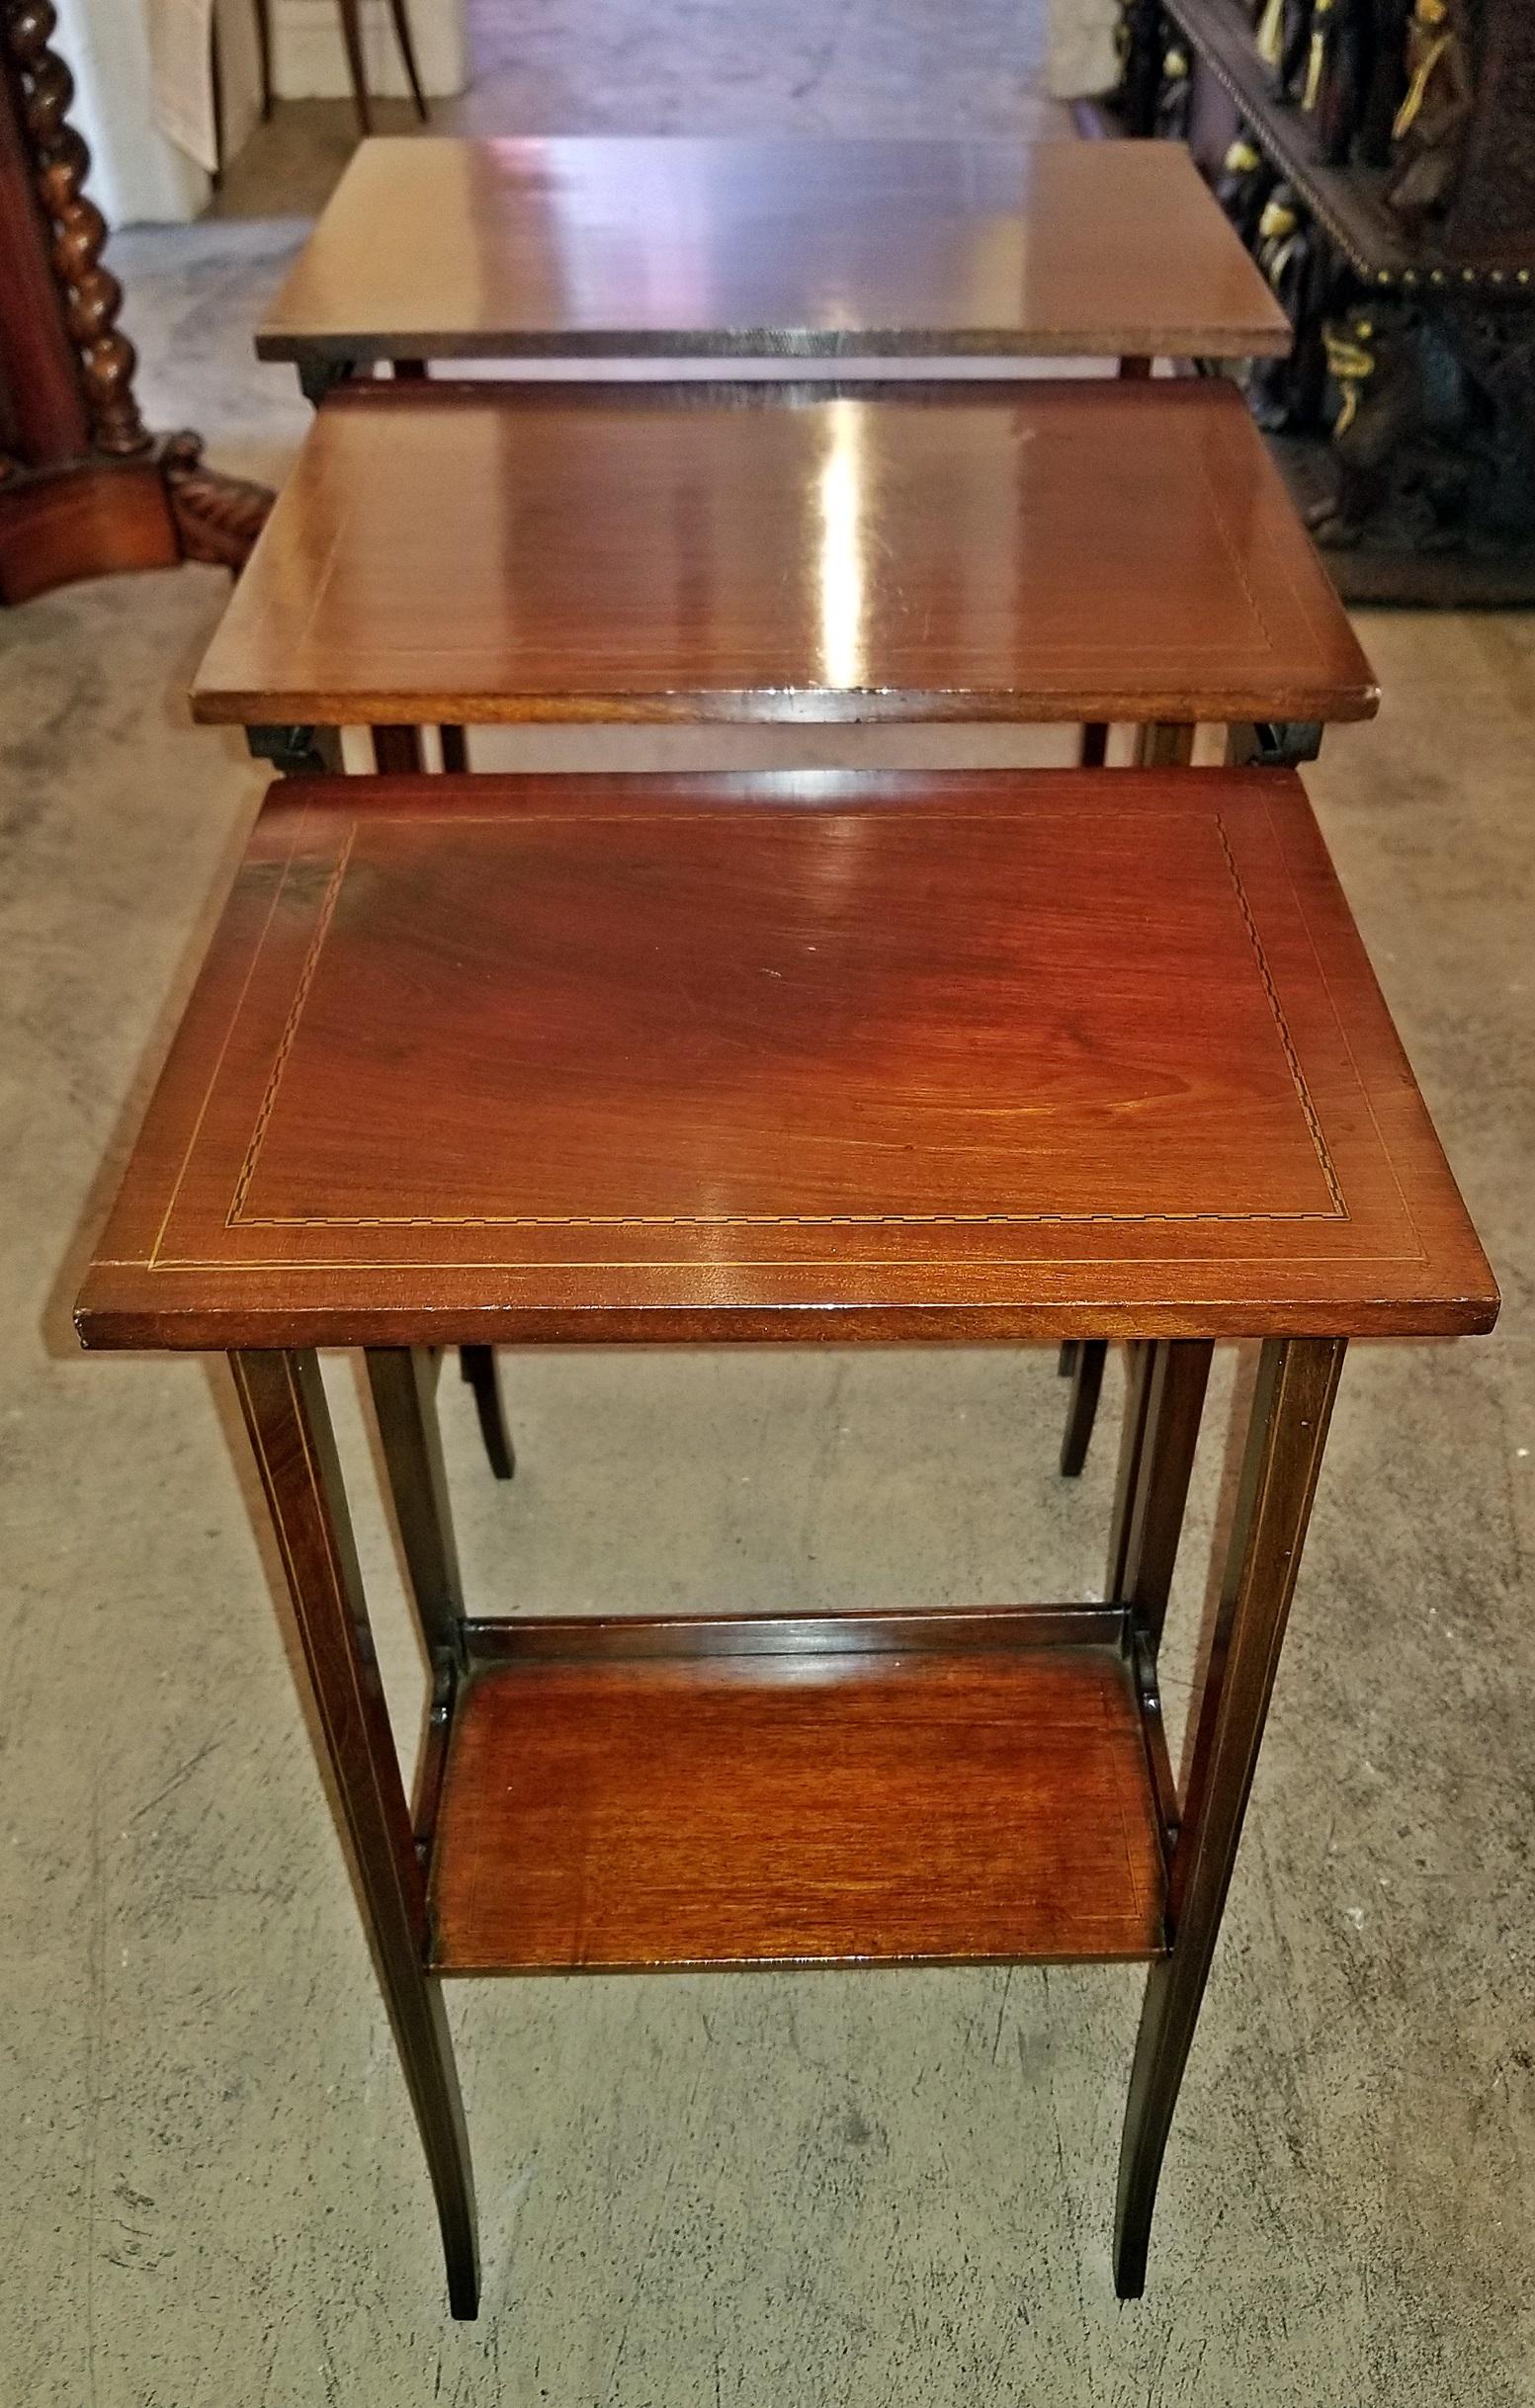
{"x": 1379, "y": 158}
{"x": 84, "y": 488}
{"x": 797, "y": 1061}
{"x": 753, "y": 250}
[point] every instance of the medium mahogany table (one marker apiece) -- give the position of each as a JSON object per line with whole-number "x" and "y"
{"x": 1048, "y": 551}
{"x": 799, "y": 1061}
{"x": 536, "y": 251}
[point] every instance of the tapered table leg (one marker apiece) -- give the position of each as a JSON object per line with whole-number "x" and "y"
{"x": 479, "y": 1369}
{"x": 1290, "y": 1409}
{"x": 1163, "y": 1406}
{"x": 403, "y": 1380}
{"x": 285, "y": 1414}
{"x": 1087, "y": 1362}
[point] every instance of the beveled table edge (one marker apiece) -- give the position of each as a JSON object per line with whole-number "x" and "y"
{"x": 126, "y": 1303}
{"x": 1270, "y": 336}
{"x": 234, "y": 705}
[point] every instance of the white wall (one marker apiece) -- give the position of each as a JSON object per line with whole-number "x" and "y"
{"x": 134, "y": 172}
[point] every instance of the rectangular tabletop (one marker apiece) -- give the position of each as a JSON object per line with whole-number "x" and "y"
{"x": 800, "y": 1059}
{"x": 1065, "y": 550}
{"x": 517, "y": 249}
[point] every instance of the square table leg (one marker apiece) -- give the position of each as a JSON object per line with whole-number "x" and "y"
{"x": 1290, "y": 1409}
{"x": 285, "y": 1414}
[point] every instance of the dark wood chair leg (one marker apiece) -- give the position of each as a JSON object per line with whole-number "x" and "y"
{"x": 1292, "y": 1406}
{"x": 352, "y": 38}
{"x": 285, "y": 1414}
{"x": 1093, "y": 750}
{"x": 1087, "y": 1380}
{"x": 403, "y": 1380}
{"x": 264, "y": 54}
{"x": 479, "y": 1369}
{"x": 407, "y": 51}
{"x": 1066, "y": 1361}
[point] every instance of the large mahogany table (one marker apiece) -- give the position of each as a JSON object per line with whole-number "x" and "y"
{"x": 798, "y": 1060}
{"x": 539, "y": 251}
{"x": 1053, "y": 551}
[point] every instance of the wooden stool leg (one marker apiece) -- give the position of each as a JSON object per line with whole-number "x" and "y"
{"x": 285, "y": 1414}
{"x": 407, "y": 51}
{"x": 1087, "y": 1362}
{"x": 352, "y": 38}
{"x": 1291, "y": 1408}
{"x": 479, "y": 1369}
{"x": 403, "y": 1380}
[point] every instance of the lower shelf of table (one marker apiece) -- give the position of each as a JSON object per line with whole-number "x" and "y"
{"x": 954, "y": 1787}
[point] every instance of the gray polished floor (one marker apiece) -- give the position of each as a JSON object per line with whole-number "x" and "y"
{"x": 741, "y": 2192}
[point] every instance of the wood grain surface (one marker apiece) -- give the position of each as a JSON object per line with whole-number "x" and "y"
{"x": 1052, "y": 551}
{"x": 451, "y": 249}
{"x": 813, "y": 1058}
{"x": 710, "y": 1806}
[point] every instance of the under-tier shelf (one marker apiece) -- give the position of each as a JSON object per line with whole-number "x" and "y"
{"x": 931, "y": 1787}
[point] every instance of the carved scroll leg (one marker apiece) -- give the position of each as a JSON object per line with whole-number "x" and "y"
{"x": 1089, "y": 1357}
{"x": 478, "y": 1366}
{"x": 285, "y": 1414}
{"x": 1275, "y": 744}
{"x": 1290, "y": 1409}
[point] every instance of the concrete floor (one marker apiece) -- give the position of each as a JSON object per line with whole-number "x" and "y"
{"x": 734, "y": 2192}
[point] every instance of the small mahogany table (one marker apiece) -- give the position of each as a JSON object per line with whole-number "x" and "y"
{"x": 539, "y": 252}
{"x": 800, "y": 1060}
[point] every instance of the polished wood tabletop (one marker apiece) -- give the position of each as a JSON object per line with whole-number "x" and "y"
{"x": 802, "y": 1058}
{"x": 1059, "y": 550}
{"x": 447, "y": 249}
